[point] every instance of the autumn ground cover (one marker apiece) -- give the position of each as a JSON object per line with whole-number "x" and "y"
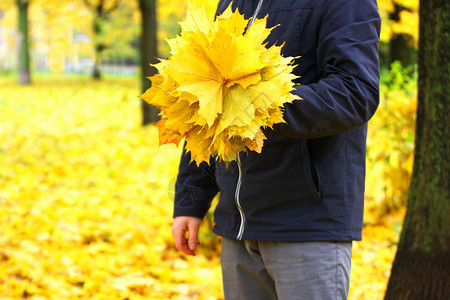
{"x": 86, "y": 198}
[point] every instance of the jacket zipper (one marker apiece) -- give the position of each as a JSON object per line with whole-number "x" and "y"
{"x": 252, "y": 19}
{"x": 236, "y": 197}
{"x": 238, "y": 185}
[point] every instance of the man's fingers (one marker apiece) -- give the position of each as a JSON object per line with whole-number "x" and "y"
{"x": 179, "y": 236}
{"x": 185, "y": 249}
{"x": 193, "y": 235}
{"x": 180, "y": 227}
{"x": 181, "y": 243}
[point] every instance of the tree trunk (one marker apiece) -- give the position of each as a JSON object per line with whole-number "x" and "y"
{"x": 96, "y": 74}
{"x": 421, "y": 265}
{"x": 98, "y": 47}
{"x": 148, "y": 56}
{"x": 401, "y": 46}
{"x": 24, "y": 54}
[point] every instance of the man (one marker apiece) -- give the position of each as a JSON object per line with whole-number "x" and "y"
{"x": 288, "y": 215}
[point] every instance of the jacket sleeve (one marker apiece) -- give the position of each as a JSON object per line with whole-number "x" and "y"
{"x": 195, "y": 187}
{"x": 347, "y": 93}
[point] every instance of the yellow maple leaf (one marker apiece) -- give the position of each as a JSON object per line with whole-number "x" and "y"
{"x": 238, "y": 107}
{"x": 167, "y": 135}
{"x": 221, "y": 85}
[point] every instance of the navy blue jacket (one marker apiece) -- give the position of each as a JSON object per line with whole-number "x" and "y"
{"x": 308, "y": 182}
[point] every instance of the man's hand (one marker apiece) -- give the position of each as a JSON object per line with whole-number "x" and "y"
{"x": 182, "y": 225}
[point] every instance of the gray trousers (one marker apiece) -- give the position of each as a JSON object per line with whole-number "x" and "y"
{"x": 255, "y": 270}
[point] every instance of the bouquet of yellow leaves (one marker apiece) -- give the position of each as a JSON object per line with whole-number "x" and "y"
{"x": 220, "y": 86}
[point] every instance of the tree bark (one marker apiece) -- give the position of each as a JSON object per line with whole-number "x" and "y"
{"x": 24, "y": 50}
{"x": 148, "y": 55}
{"x": 421, "y": 265}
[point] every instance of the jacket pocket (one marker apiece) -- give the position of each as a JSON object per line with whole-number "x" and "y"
{"x": 311, "y": 174}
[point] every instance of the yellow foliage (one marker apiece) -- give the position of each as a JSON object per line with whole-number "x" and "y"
{"x": 86, "y": 199}
{"x": 408, "y": 23}
{"x": 220, "y": 86}
{"x": 390, "y": 144}
{"x": 51, "y": 28}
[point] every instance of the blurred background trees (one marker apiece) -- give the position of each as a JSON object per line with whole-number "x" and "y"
{"x": 104, "y": 36}
{"x": 84, "y": 36}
